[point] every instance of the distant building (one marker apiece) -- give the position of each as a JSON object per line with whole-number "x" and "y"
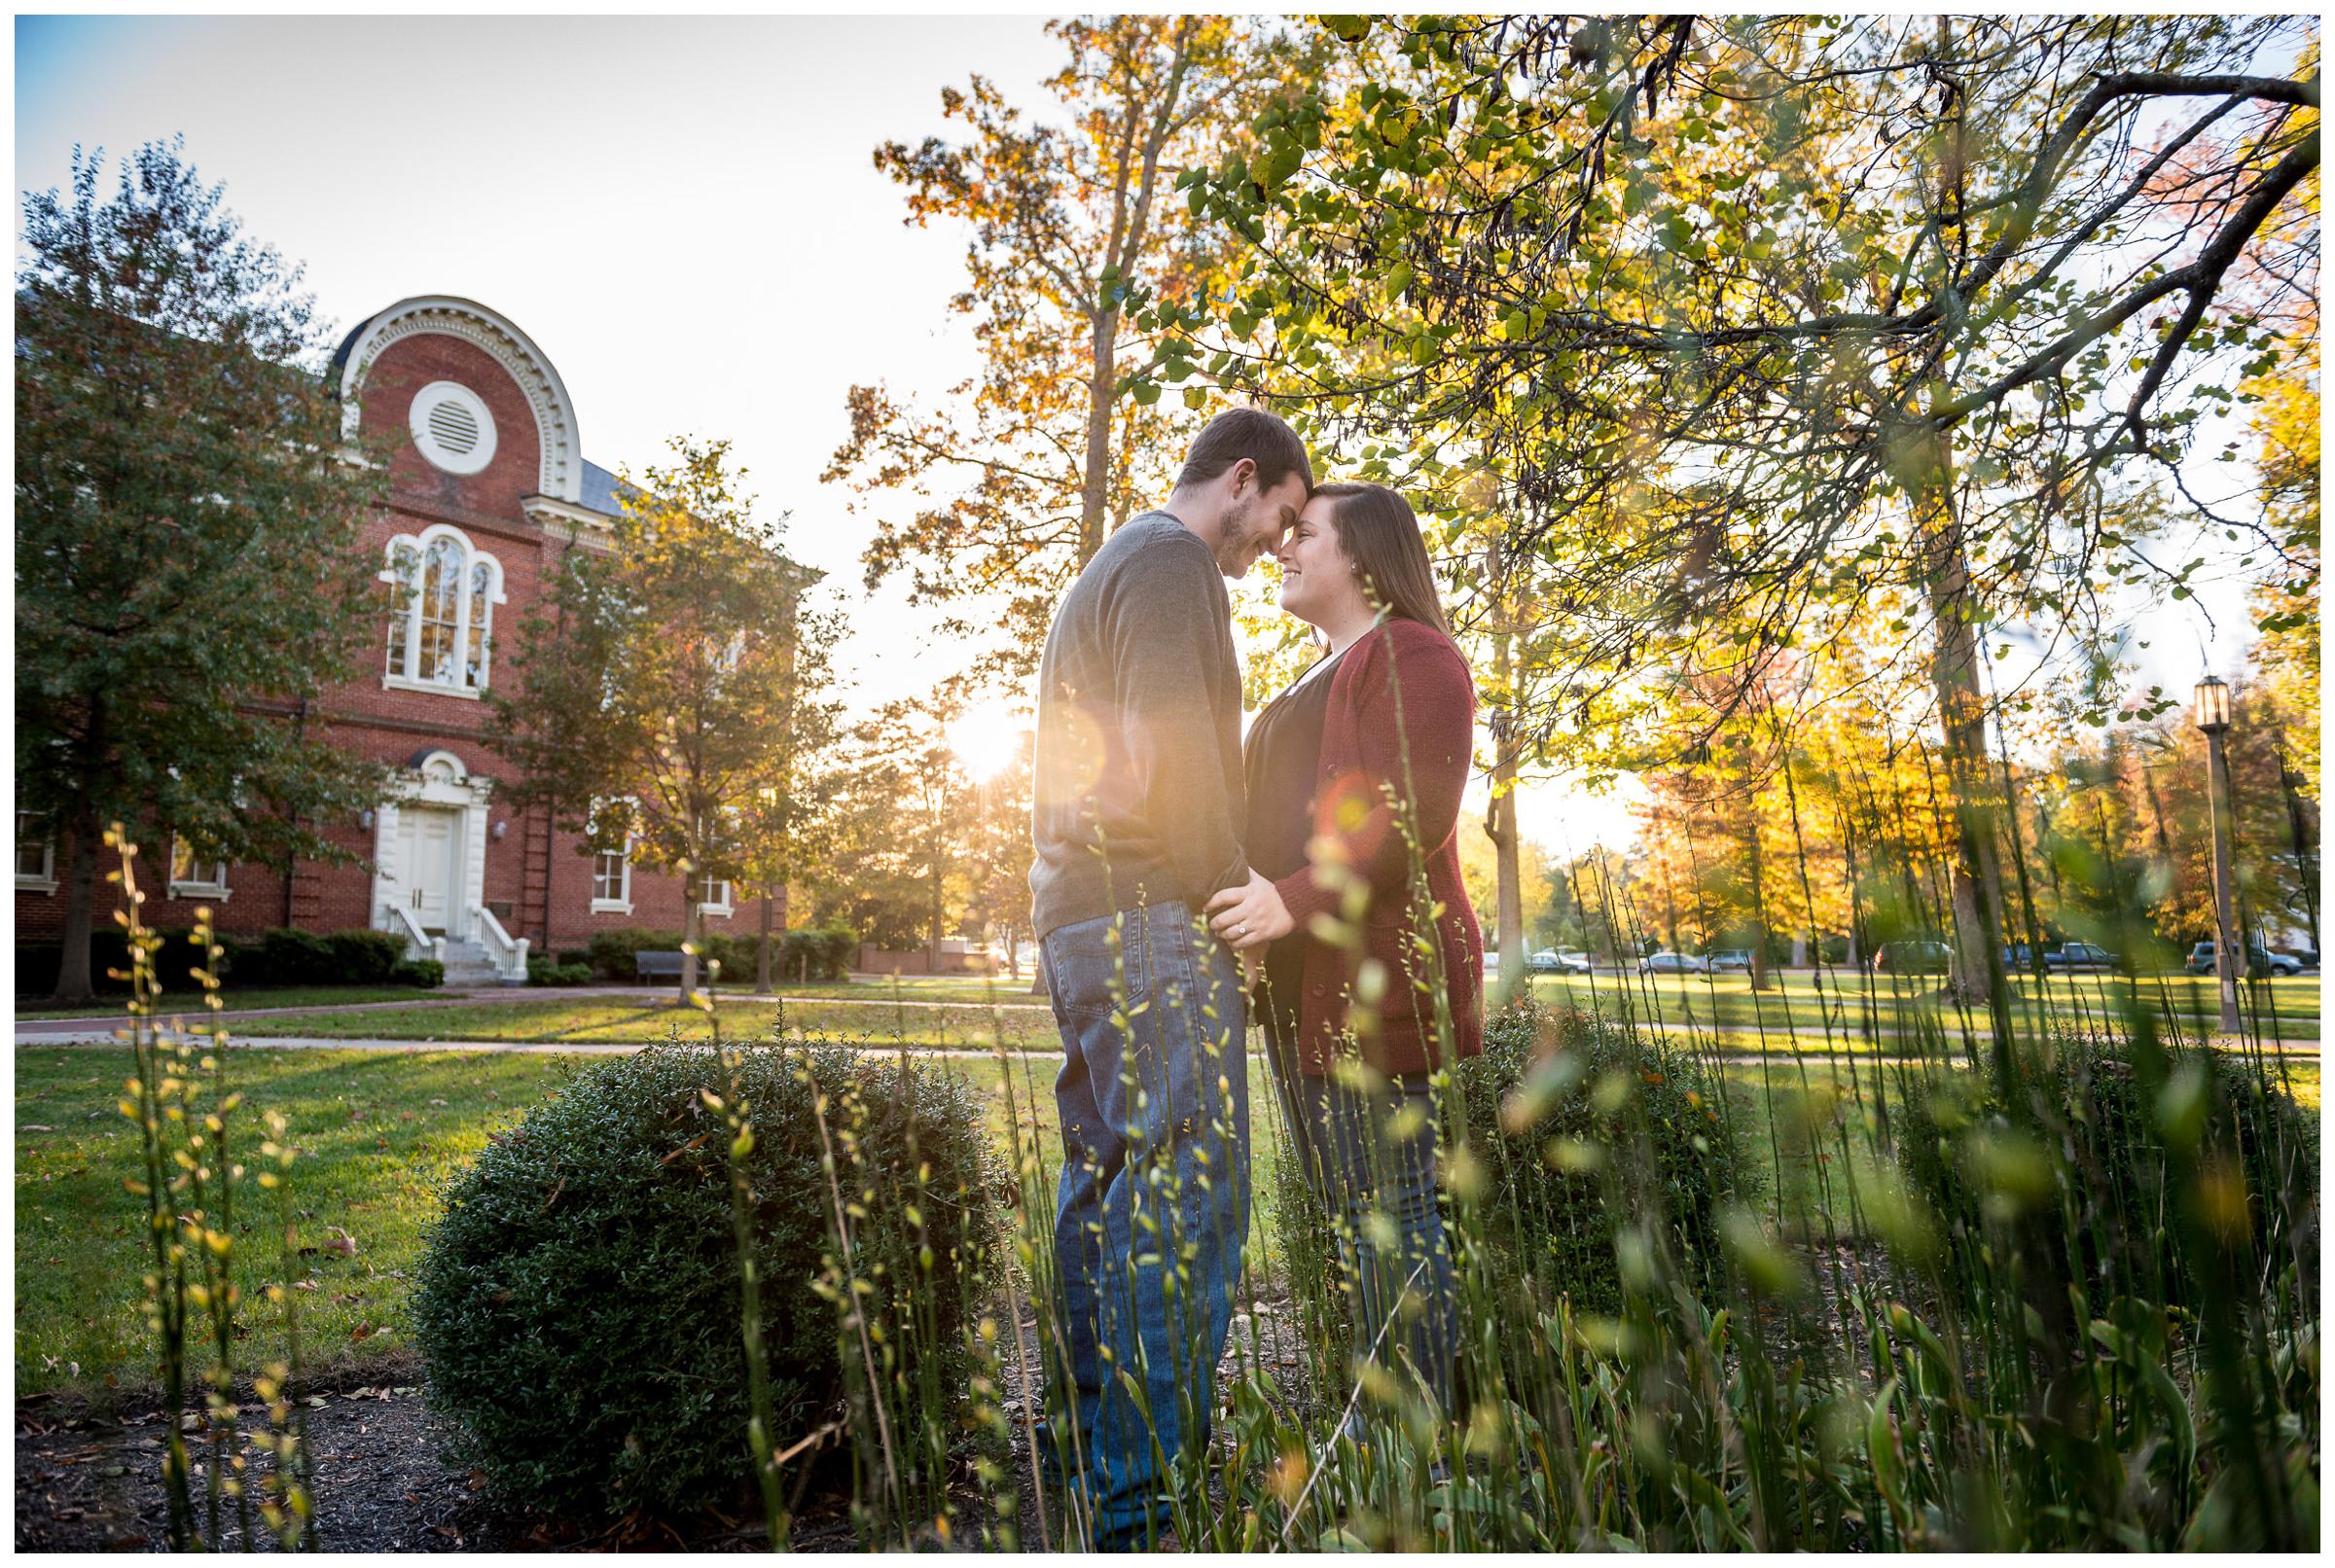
{"x": 488, "y": 485}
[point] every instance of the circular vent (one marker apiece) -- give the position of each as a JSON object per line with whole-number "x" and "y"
{"x": 453, "y": 427}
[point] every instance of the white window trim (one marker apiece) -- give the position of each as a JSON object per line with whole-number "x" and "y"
{"x": 195, "y": 888}
{"x": 472, "y": 556}
{"x": 723, "y": 908}
{"x": 46, "y": 881}
{"x": 615, "y": 906}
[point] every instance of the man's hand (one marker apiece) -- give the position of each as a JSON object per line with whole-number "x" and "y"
{"x": 1250, "y": 916}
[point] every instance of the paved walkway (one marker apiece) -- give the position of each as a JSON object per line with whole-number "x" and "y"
{"x": 1809, "y": 1045}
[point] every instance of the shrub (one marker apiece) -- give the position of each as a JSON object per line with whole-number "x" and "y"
{"x": 819, "y": 953}
{"x": 1554, "y": 1099}
{"x": 577, "y": 1301}
{"x": 543, "y": 972}
{"x": 1960, "y": 1152}
{"x": 362, "y": 957}
{"x": 426, "y": 973}
{"x": 580, "y": 957}
{"x": 610, "y": 953}
{"x": 175, "y": 962}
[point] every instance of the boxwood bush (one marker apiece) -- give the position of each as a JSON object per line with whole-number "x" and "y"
{"x": 1961, "y": 1152}
{"x": 578, "y": 1298}
{"x": 1557, "y": 1098}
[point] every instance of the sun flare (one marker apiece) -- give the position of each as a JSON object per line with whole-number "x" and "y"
{"x": 987, "y": 740}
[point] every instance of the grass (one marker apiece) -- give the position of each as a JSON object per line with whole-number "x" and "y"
{"x": 576, "y": 1020}
{"x": 1804, "y": 1000}
{"x": 378, "y": 1133}
{"x": 191, "y": 1002}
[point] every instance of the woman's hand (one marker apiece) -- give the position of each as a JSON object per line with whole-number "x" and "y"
{"x": 1250, "y": 916}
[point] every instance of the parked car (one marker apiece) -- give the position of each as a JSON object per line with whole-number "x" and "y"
{"x": 2072, "y": 956}
{"x": 2261, "y": 960}
{"x": 2019, "y": 957}
{"x": 1731, "y": 958}
{"x": 1558, "y": 961}
{"x": 1669, "y": 963}
{"x": 1915, "y": 957}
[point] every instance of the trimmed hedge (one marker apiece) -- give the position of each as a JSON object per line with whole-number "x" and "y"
{"x": 805, "y": 954}
{"x": 543, "y": 972}
{"x": 425, "y": 973}
{"x": 577, "y": 1301}
{"x": 277, "y": 957}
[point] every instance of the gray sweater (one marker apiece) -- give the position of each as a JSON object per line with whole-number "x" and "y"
{"x": 1138, "y": 783}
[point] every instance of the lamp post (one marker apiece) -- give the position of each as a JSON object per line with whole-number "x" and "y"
{"x": 2214, "y": 719}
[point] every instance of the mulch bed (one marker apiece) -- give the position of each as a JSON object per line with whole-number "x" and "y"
{"x": 88, "y": 1475}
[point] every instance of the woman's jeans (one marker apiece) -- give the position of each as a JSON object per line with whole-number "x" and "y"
{"x": 1366, "y": 1143}
{"x": 1152, "y": 1207}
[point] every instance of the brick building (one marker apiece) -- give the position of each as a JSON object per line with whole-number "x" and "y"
{"x": 489, "y": 485}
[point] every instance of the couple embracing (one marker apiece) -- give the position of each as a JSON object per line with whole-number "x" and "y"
{"x": 1185, "y": 884}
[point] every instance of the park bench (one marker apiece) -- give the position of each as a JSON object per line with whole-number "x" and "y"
{"x": 657, "y": 966}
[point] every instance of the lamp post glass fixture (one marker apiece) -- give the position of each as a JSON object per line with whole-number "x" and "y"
{"x": 2214, "y": 719}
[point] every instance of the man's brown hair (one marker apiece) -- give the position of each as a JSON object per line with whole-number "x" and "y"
{"x": 1263, "y": 438}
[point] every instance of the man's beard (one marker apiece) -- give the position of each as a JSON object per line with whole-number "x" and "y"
{"x": 1234, "y": 536}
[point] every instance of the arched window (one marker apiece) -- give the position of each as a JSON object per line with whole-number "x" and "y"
{"x": 442, "y": 593}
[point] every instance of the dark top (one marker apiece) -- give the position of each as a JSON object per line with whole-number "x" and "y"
{"x": 1139, "y": 796}
{"x": 1282, "y": 762}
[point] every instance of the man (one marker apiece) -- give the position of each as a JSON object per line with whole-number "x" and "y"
{"x": 1138, "y": 819}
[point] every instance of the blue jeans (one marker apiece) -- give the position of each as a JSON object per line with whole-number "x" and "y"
{"x": 1153, "y": 1208}
{"x": 1367, "y": 1149}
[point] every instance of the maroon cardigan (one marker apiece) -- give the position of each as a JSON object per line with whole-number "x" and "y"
{"x": 1400, "y": 665}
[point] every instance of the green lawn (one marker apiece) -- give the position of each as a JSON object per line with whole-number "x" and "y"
{"x": 191, "y": 1002}
{"x": 577, "y": 1019}
{"x": 2287, "y": 1009}
{"x": 379, "y": 1131}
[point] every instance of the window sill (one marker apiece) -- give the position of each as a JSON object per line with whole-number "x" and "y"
{"x": 36, "y": 885}
{"x": 723, "y": 909}
{"x": 406, "y": 682}
{"x": 199, "y": 890}
{"x": 612, "y": 906}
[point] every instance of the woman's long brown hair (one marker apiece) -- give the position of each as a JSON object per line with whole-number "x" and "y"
{"x": 1379, "y": 532}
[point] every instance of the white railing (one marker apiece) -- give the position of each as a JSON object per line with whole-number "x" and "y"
{"x": 506, "y": 952}
{"x": 420, "y": 943}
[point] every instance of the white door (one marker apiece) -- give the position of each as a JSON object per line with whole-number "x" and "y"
{"x": 426, "y": 841}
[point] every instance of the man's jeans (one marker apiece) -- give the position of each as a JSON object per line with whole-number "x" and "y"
{"x": 1366, "y": 1143}
{"x": 1153, "y": 1208}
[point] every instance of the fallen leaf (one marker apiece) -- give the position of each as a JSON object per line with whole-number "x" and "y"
{"x": 339, "y": 1241}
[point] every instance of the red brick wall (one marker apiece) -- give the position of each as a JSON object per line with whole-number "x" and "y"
{"x": 397, "y": 726}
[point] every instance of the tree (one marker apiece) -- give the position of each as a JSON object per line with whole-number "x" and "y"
{"x": 1073, "y": 225}
{"x": 787, "y": 825}
{"x": 998, "y": 854}
{"x": 656, "y": 687}
{"x": 1850, "y": 305}
{"x": 187, "y": 517}
{"x": 898, "y": 867}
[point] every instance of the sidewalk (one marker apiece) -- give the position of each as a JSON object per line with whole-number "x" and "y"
{"x": 1808, "y": 1045}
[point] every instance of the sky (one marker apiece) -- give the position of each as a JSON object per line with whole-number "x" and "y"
{"x": 682, "y": 213}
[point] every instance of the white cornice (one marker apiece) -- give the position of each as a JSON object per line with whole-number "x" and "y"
{"x": 562, "y": 450}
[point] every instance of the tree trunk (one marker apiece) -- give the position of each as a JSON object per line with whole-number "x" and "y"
{"x": 2305, "y": 863}
{"x": 1500, "y": 821}
{"x": 73, "y": 987}
{"x": 1759, "y": 899}
{"x": 762, "y": 955}
{"x": 1094, "y": 489}
{"x": 1977, "y": 871}
{"x": 692, "y": 923}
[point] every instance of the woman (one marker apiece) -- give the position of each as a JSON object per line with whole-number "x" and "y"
{"x": 1356, "y": 1029}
